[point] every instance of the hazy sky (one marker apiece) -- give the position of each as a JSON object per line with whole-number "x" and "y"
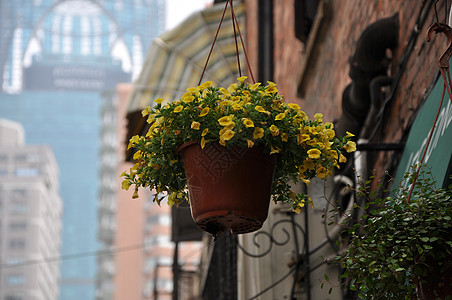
{"x": 178, "y": 10}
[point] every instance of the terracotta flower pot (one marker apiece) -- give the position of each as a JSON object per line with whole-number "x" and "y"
{"x": 229, "y": 188}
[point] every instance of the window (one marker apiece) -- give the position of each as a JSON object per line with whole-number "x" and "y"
{"x": 305, "y": 12}
{"x": 16, "y": 244}
{"x": 158, "y": 220}
{"x": 17, "y": 226}
{"x": 13, "y": 297}
{"x": 18, "y": 207}
{"x": 14, "y": 261}
{"x": 16, "y": 279}
{"x": 27, "y": 172}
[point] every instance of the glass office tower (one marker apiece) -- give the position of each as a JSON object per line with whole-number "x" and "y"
{"x": 56, "y": 59}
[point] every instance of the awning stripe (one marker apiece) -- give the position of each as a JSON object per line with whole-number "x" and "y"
{"x": 176, "y": 58}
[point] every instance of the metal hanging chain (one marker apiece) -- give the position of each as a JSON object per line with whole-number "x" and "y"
{"x": 443, "y": 63}
{"x": 236, "y": 28}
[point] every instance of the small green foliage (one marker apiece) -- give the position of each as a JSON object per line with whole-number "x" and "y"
{"x": 398, "y": 241}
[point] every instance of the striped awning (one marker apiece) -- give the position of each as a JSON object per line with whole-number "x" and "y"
{"x": 176, "y": 58}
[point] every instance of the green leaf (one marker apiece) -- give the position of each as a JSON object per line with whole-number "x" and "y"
{"x": 327, "y": 278}
{"x": 419, "y": 249}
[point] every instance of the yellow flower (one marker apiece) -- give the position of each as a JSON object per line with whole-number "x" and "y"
{"x": 137, "y": 155}
{"x": 298, "y": 208}
{"x": 323, "y": 172}
{"x": 204, "y": 132}
{"x": 178, "y": 108}
{"x": 312, "y": 142}
{"x": 294, "y": 106}
{"x": 274, "y": 150}
{"x": 314, "y": 153}
{"x": 254, "y": 86}
{"x": 195, "y": 125}
{"x": 203, "y": 142}
{"x": 247, "y": 122}
{"x": 284, "y": 137}
{"x": 150, "y": 119}
{"x": 328, "y": 125}
{"x": 303, "y": 115}
{"x": 342, "y": 158}
{"x": 349, "y": 135}
{"x": 313, "y": 130}
{"x": 261, "y": 109}
{"x": 274, "y": 130}
{"x": 242, "y": 79}
{"x": 271, "y": 84}
{"x": 158, "y": 100}
{"x": 134, "y": 140}
{"x": 227, "y": 135}
{"x": 329, "y": 133}
{"x": 226, "y": 120}
{"x": 258, "y": 133}
{"x": 318, "y": 117}
{"x": 204, "y": 111}
{"x": 187, "y": 98}
{"x": 205, "y": 85}
{"x": 232, "y": 88}
{"x": 306, "y": 181}
{"x": 333, "y": 154}
{"x": 125, "y": 184}
{"x": 280, "y": 116}
{"x": 135, "y": 194}
{"x": 250, "y": 143}
{"x": 146, "y": 111}
{"x": 193, "y": 90}
{"x": 350, "y": 146}
{"x": 225, "y": 92}
{"x": 271, "y": 89}
{"x": 237, "y": 106}
{"x": 302, "y": 138}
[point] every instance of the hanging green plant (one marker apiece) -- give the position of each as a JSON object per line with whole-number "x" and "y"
{"x": 401, "y": 249}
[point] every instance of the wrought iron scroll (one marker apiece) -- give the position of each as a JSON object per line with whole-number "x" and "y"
{"x": 269, "y": 235}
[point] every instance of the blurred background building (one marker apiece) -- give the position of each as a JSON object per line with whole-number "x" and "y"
{"x": 30, "y": 217}
{"x": 56, "y": 60}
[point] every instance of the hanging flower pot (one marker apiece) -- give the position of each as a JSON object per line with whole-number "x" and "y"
{"x": 247, "y": 138}
{"x": 229, "y": 188}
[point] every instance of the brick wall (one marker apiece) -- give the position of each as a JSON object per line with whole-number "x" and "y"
{"x": 327, "y": 71}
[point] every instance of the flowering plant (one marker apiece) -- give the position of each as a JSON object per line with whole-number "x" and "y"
{"x": 243, "y": 115}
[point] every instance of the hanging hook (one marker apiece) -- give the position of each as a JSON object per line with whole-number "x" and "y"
{"x": 442, "y": 28}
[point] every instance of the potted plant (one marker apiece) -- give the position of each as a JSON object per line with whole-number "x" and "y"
{"x": 402, "y": 247}
{"x": 213, "y": 136}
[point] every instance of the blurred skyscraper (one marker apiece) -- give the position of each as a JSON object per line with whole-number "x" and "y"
{"x": 56, "y": 58}
{"x": 30, "y": 217}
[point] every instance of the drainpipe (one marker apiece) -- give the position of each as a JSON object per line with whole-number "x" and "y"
{"x": 361, "y": 98}
{"x": 368, "y": 62}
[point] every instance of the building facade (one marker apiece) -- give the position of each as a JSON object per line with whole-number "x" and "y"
{"x": 56, "y": 59}
{"x": 30, "y": 218}
{"x": 368, "y": 68}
